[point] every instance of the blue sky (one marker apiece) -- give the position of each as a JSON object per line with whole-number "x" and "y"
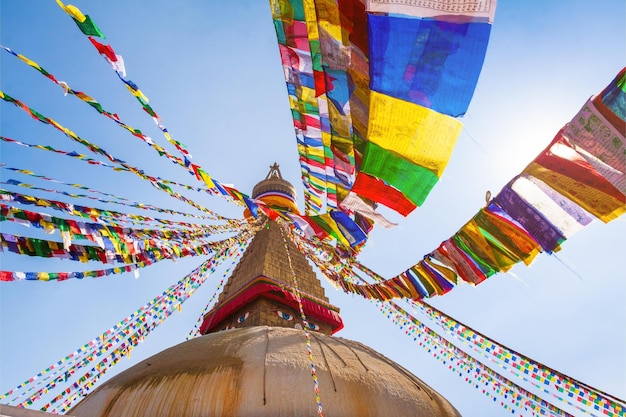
{"x": 212, "y": 72}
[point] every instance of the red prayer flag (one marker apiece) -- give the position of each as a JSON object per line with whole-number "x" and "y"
{"x": 376, "y": 190}
{"x": 6, "y": 276}
{"x": 105, "y": 50}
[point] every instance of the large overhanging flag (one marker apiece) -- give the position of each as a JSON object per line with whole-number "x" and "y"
{"x": 375, "y": 87}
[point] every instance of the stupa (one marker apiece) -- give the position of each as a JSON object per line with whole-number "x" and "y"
{"x": 253, "y": 358}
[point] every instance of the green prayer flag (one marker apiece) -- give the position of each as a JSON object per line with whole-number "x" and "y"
{"x": 149, "y": 110}
{"x": 39, "y": 116}
{"x": 414, "y": 181}
{"x": 41, "y": 248}
{"x": 96, "y": 106}
{"x": 89, "y": 28}
{"x": 62, "y": 224}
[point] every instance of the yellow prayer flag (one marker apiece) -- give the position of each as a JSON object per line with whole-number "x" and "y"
{"x": 418, "y": 134}
{"x": 326, "y": 217}
{"x": 315, "y": 199}
{"x": 328, "y": 17}
{"x": 317, "y": 182}
{"x": 137, "y": 93}
{"x": 29, "y": 62}
{"x": 206, "y": 178}
{"x": 526, "y": 247}
{"x": 47, "y": 226}
{"x": 342, "y": 123}
{"x": 72, "y": 11}
{"x": 600, "y": 204}
{"x": 317, "y": 152}
{"x": 499, "y": 258}
{"x": 294, "y": 103}
{"x": 307, "y": 95}
{"x": 311, "y": 19}
{"x": 64, "y": 129}
{"x": 282, "y": 10}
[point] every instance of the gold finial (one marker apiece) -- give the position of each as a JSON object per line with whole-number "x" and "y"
{"x": 274, "y": 172}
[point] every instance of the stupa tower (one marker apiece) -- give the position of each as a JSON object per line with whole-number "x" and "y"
{"x": 253, "y": 358}
{"x": 260, "y": 290}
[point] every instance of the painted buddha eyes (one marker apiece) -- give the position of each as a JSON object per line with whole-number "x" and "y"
{"x": 239, "y": 320}
{"x": 283, "y": 315}
{"x": 289, "y": 317}
{"x": 243, "y": 318}
{"x": 279, "y": 313}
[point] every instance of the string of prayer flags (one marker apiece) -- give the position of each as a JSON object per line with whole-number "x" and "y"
{"x": 116, "y": 62}
{"x": 574, "y": 180}
{"x": 492, "y": 384}
{"x": 8, "y": 276}
{"x": 125, "y": 251}
{"x": 96, "y": 149}
{"x": 171, "y": 300}
{"x": 108, "y": 217}
{"x": 115, "y": 199}
{"x": 72, "y": 154}
{"x": 146, "y": 315}
{"x": 374, "y": 89}
{"x": 300, "y": 47}
{"x": 513, "y": 368}
{"x": 509, "y": 394}
{"x": 92, "y": 161}
{"x": 109, "y": 54}
{"x": 549, "y": 381}
{"x": 14, "y": 182}
{"x": 31, "y": 63}
{"x": 120, "y": 240}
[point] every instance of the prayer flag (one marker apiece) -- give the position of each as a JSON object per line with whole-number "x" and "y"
{"x": 432, "y": 63}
